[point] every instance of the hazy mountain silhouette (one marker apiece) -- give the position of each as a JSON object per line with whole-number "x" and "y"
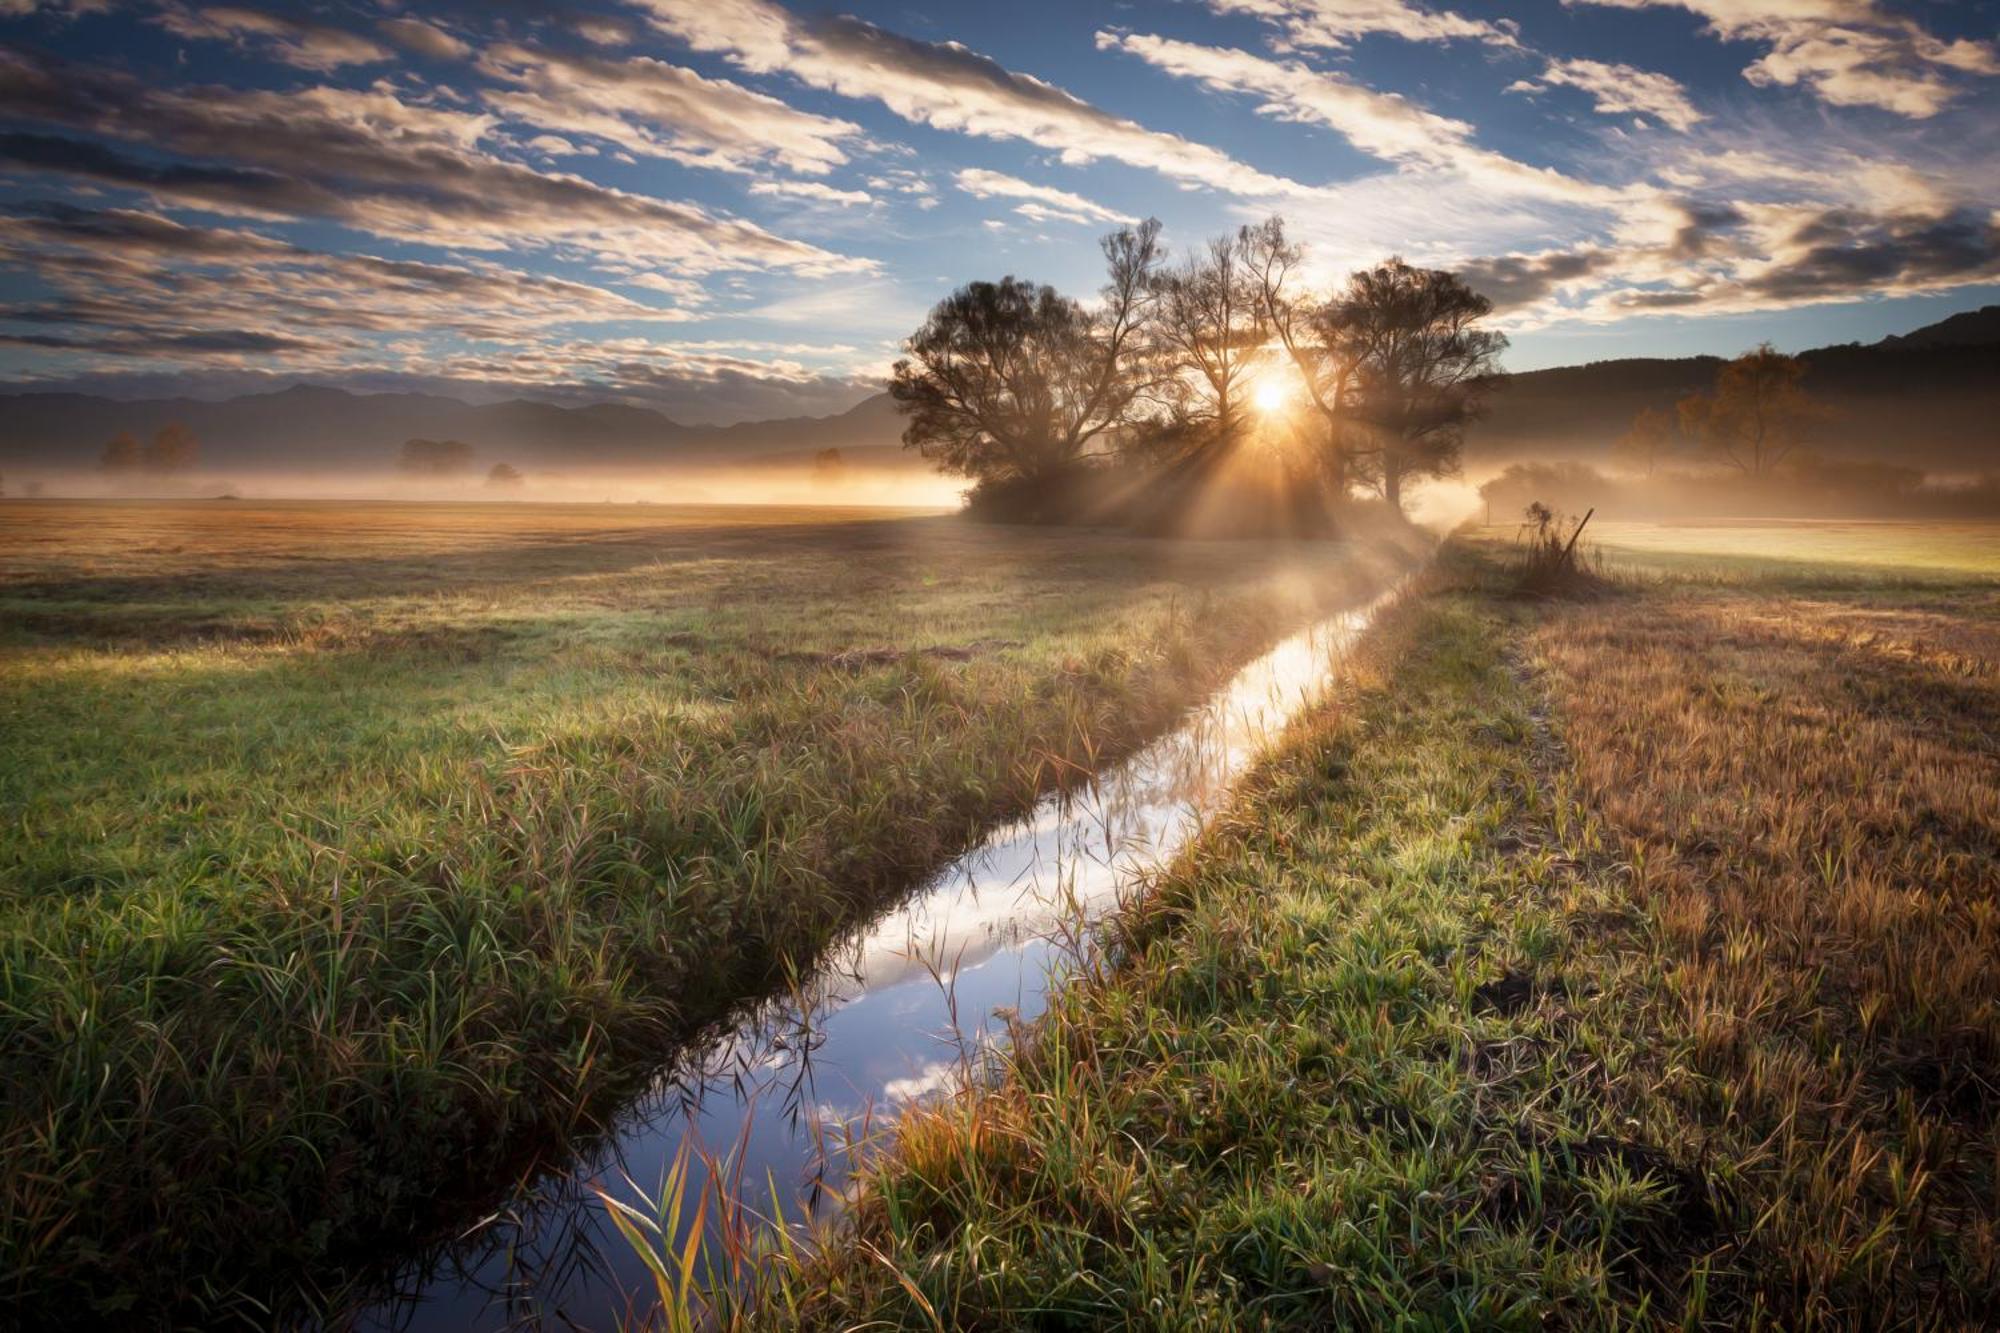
{"x": 318, "y": 429}
{"x": 1970, "y": 328}
{"x": 1927, "y": 398}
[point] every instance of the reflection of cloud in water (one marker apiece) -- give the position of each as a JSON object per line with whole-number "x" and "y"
{"x": 898, "y": 1011}
{"x": 934, "y": 1077}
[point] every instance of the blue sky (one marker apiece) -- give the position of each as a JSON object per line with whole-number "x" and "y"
{"x": 735, "y": 208}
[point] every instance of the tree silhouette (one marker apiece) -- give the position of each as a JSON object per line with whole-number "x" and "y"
{"x": 1300, "y": 323}
{"x": 1757, "y": 414}
{"x": 435, "y": 458}
{"x": 504, "y": 476}
{"x": 1650, "y": 435}
{"x": 1421, "y": 369}
{"x": 122, "y": 453}
{"x": 173, "y": 448}
{"x": 1209, "y": 333}
{"x": 1010, "y": 381}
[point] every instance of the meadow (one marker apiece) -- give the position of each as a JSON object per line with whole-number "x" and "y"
{"x": 356, "y": 857}
{"x": 1631, "y": 960}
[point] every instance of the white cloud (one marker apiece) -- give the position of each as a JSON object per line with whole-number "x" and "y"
{"x": 817, "y": 191}
{"x": 1337, "y": 23}
{"x": 949, "y": 87}
{"x": 313, "y": 46}
{"x": 1620, "y": 89}
{"x": 426, "y": 39}
{"x": 130, "y": 284}
{"x": 1046, "y": 203}
{"x": 662, "y": 110}
{"x": 1847, "y": 52}
{"x": 371, "y": 160}
{"x": 1384, "y": 125}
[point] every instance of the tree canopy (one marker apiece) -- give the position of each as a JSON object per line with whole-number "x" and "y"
{"x": 1758, "y": 413}
{"x": 1012, "y": 380}
{"x": 1016, "y": 385}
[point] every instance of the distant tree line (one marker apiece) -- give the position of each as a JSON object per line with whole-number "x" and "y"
{"x": 173, "y": 448}
{"x": 1188, "y": 377}
{"x": 453, "y": 458}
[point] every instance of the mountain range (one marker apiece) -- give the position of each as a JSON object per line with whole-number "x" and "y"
{"x": 314, "y": 428}
{"x": 1928, "y": 398}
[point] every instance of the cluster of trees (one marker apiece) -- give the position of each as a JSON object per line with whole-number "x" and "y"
{"x": 1022, "y": 388}
{"x": 453, "y": 458}
{"x": 173, "y": 448}
{"x": 1754, "y": 421}
{"x": 435, "y": 458}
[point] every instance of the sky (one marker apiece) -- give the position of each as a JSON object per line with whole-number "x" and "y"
{"x": 735, "y": 209}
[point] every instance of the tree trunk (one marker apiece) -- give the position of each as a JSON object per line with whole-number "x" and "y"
{"x": 1392, "y": 482}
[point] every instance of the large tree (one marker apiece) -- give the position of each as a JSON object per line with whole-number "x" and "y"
{"x": 1757, "y": 414}
{"x": 1208, "y": 334}
{"x": 1421, "y": 368}
{"x": 1300, "y": 325}
{"x": 1010, "y": 381}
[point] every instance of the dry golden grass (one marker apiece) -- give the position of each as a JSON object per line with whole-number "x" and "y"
{"x": 1809, "y": 794}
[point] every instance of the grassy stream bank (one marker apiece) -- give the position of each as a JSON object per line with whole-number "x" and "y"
{"x": 1623, "y": 963}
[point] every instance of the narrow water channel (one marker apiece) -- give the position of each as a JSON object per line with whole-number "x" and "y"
{"x": 888, "y": 1018}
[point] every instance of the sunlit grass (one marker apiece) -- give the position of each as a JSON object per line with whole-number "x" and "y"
{"x": 349, "y": 866}
{"x": 1805, "y": 549}
{"x": 1624, "y": 963}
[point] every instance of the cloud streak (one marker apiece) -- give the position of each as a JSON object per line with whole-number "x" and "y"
{"x": 1617, "y": 89}
{"x": 949, "y": 87}
{"x": 373, "y": 161}
{"x": 1339, "y": 23}
{"x": 1384, "y": 125}
{"x": 1039, "y": 202}
{"x": 313, "y": 46}
{"x": 1846, "y": 52}
{"x": 662, "y": 110}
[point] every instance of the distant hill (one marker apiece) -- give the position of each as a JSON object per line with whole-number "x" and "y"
{"x": 1970, "y": 328}
{"x": 1928, "y": 399}
{"x": 313, "y": 428}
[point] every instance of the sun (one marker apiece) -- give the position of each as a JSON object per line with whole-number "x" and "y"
{"x": 1271, "y": 396}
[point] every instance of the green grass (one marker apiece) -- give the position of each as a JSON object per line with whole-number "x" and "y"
{"x": 1630, "y": 963}
{"x": 353, "y": 856}
{"x": 1338, "y": 1073}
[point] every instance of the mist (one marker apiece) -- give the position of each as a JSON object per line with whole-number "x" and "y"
{"x": 762, "y": 483}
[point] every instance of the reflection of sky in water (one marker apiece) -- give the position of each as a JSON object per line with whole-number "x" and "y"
{"x": 893, "y": 1015}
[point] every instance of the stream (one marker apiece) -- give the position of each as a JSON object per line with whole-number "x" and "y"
{"x": 893, "y": 1014}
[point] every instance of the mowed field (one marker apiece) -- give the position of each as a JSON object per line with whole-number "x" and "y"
{"x": 354, "y": 855}
{"x": 1632, "y": 961}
